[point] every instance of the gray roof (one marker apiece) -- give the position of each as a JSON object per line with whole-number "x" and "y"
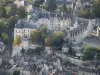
{"x": 61, "y": 2}
{"x": 82, "y": 21}
{"x": 25, "y": 24}
{"x": 49, "y": 15}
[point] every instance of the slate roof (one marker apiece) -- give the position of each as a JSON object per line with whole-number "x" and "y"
{"x": 4, "y": 73}
{"x": 25, "y": 24}
{"x": 49, "y": 15}
{"x": 82, "y": 21}
{"x": 61, "y": 2}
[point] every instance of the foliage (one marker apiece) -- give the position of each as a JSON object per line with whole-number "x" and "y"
{"x": 36, "y": 51}
{"x": 44, "y": 33}
{"x": 57, "y": 38}
{"x": 85, "y": 13}
{"x": 48, "y": 41}
{"x": 64, "y": 9}
{"x": 51, "y": 5}
{"x": 39, "y": 49}
{"x": 21, "y": 12}
{"x": 23, "y": 51}
{"x": 36, "y": 36}
{"x": 12, "y": 21}
{"x": 44, "y": 6}
{"x": 13, "y": 10}
{"x": 18, "y": 40}
{"x": 95, "y": 8}
{"x": 71, "y": 51}
{"x": 16, "y": 72}
{"x": 7, "y": 11}
{"x": 37, "y": 3}
{"x": 5, "y": 38}
{"x": 2, "y": 12}
{"x": 2, "y": 26}
{"x": 90, "y": 52}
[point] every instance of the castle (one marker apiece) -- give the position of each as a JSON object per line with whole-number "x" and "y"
{"x": 74, "y": 27}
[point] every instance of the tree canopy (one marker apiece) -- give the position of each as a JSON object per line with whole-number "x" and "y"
{"x": 64, "y": 9}
{"x": 37, "y": 3}
{"x": 18, "y": 40}
{"x": 93, "y": 12}
{"x": 48, "y": 41}
{"x": 2, "y": 12}
{"x": 57, "y": 38}
{"x": 51, "y": 5}
{"x": 90, "y": 52}
{"x": 16, "y": 72}
{"x": 5, "y": 38}
{"x": 12, "y": 21}
{"x": 35, "y": 36}
{"x": 21, "y": 12}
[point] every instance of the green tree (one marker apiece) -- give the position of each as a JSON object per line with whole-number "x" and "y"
{"x": 64, "y": 9}
{"x": 12, "y": 21}
{"x": 16, "y": 72}
{"x": 7, "y": 11}
{"x": 22, "y": 51}
{"x": 44, "y": 6}
{"x": 70, "y": 10}
{"x": 57, "y": 38}
{"x": 35, "y": 36}
{"x": 5, "y": 38}
{"x": 2, "y": 12}
{"x": 85, "y": 13}
{"x": 51, "y": 5}
{"x": 37, "y": 3}
{"x": 13, "y": 9}
{"x": 95, "y": 9}
{"x": 2, "y": 26}
{"x": 48, "y": 41}
{"x": 90, "y": 52}
{"x": 18, "y": 40}
{"x": 39, "y": 49}
{"x": 43, "y": 31}
{"x": 21, "y": 12}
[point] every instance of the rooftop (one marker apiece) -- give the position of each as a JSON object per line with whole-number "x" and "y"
{"x": 25, "y": 24}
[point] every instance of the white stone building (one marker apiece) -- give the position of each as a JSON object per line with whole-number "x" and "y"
{"x": 55, "y": 21}
{"x": 74, "y": 28}
{"x": 2, "y": 46}
{"x": 19, "y": 3}
{"x": 24, "y": 28}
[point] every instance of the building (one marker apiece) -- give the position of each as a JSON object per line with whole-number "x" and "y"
{"x": 68, "y": 3}
{"x": 74, "y": 27}
{"x": 2, "y": 46}
{"x": 81, "y": 29}
{"x": 55, "y": 21}
{"x": 20, "y": 2}
{"x": 24, "y": 28}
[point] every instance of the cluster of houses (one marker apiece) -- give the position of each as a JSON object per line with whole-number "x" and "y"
{"x": 74, "y": 27}
{"x": 48, "y": 63}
